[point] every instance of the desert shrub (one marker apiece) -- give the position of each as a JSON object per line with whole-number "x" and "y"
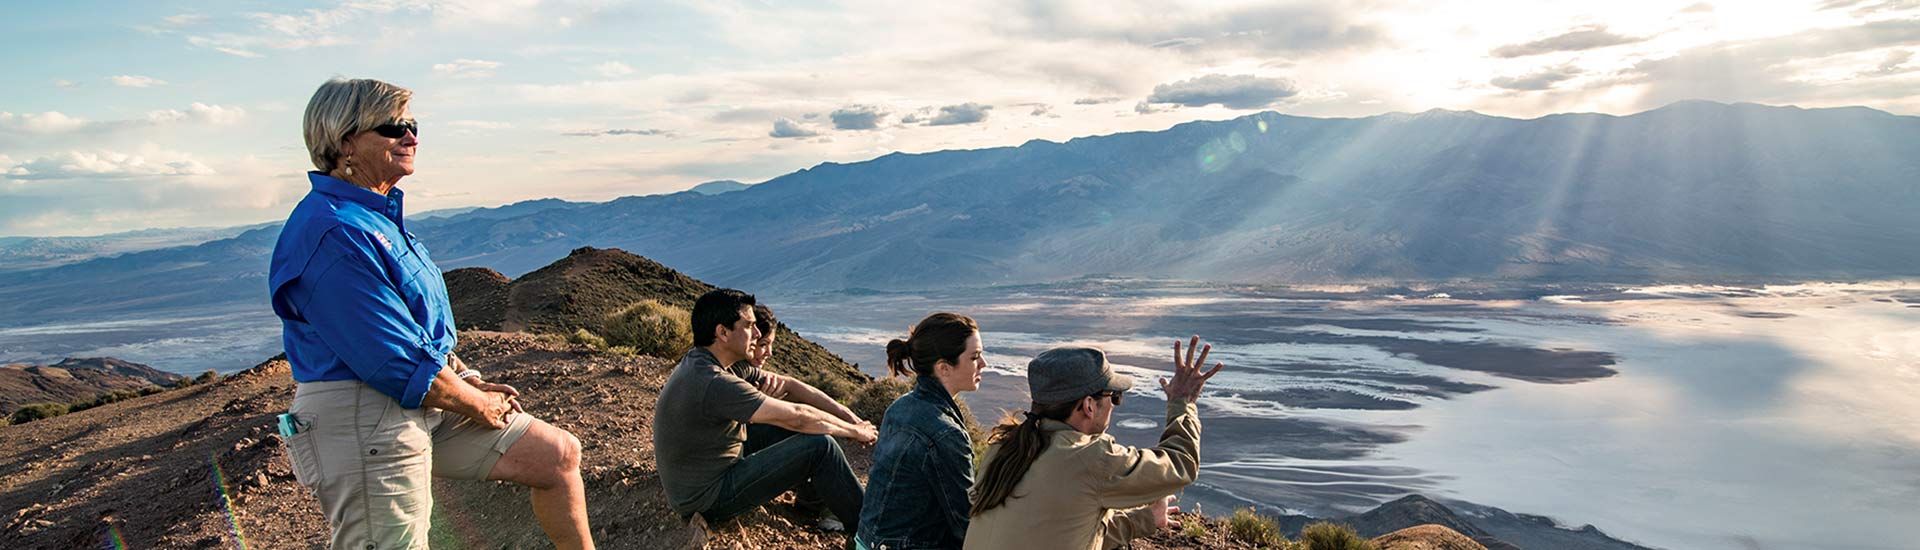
{"x": 584, "y": 338}
{"x": 1332, "y": 536}
{"x": 624, "y": 351}
{"x": 1256, "y": 529}
{"x": 1195, "y": 527}
{"x": 206, "y": 377}
{"x": 871, "y": 400}
{"x": 551, "y": 338}
{"x": 38, "y": 411}
{"x": 840, "y": 388}
{"x": 650, "y": 327}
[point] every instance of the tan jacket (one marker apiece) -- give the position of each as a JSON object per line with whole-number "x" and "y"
{"x": 1089, "y": 491}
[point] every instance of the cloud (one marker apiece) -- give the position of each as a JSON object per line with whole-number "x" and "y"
{"x": 1176, "y": 25}
{"x": 784, "y": 127}
{"x": 1772, "y": 69}
{"x": 54, "y": 123}
{"x": 1231, "y": 91}
{"x": 467, "y": 68}
{"x": 624, "y": 132}
{"x": 104, "y": 165}
{"x": 1042, "y": 109}
{"x": 1095, "y": 100}
{"x": 857, "y": 117}
{"x": 479, "y": 124}
{"x": 1698, "y": 7}
{"x": 1863, "y": 8}
{"x": 183, "y": 20}
{"x": 1579, "y": 39}
{"x": 965, "y": 113}
{"x": 136, "y": 81}
{"x": 1542, "y": 79}
{"x": 613, "y": 69}
{"x": 63, "y": 83}
{"x": 1894, "y": 60}
{"x": 50, "y": 122}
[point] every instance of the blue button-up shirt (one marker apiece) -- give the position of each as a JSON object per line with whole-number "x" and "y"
{"x": 357, "y": 296}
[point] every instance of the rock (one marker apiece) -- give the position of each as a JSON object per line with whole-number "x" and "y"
{"x": 1426, "y": 537}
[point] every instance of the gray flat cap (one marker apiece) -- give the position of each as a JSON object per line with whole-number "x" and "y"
{"x": 1060, "y": 375}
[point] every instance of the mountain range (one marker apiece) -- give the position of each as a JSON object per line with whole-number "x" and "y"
{"x": 1691, "y": 192}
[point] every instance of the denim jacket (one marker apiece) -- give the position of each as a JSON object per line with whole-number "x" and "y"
{"x": 922, "y": 468}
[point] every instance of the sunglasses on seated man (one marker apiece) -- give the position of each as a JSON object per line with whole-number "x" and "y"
{"x": 1110, "y": 393}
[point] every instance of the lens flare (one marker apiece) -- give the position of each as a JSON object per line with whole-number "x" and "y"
{"x": 114, "y": 540}
{"x": 1262, "y": 124}
{"x": 1218, "y": 154}
{"x": 226, "y": 502}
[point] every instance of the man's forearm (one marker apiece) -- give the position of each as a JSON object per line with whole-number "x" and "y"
{"x": 809, "y": 420}
{"x": 805, "y": 394}
{"x": 451, "y": 393}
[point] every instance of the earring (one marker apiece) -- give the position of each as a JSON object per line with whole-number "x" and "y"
{"x": 349, "y": 170}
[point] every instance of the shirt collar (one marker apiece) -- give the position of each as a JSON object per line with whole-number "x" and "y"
{"x": 390, "y": 205}
{"x": 931, "y": 387}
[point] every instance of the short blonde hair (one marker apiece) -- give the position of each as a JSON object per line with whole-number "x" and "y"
{"x": 342, "y": 107}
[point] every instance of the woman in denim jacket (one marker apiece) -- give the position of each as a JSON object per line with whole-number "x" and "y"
{"x": 923, "y": 464}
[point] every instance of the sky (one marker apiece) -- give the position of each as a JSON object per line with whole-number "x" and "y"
{"x": 118, "y": 116}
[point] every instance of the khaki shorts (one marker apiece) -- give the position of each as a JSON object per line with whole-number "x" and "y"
{"x": 370, "y": 462}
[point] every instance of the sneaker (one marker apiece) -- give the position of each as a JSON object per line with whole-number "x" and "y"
{"x": 830, "y": 523}
{"x": 697, "y": 539}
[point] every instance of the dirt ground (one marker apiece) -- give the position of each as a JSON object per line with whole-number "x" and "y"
{"x": 202, "y": 467}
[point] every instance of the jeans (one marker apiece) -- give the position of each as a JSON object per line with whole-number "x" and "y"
{"x": 778, "y": 460}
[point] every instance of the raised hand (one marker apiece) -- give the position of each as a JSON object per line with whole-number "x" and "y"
{"x": 1187, "y": 378}
{"x": 1163, "y": 510}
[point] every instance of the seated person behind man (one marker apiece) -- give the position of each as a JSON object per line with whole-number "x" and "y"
{"x": 759, "y": 436}
{"x": 700, "y": 434}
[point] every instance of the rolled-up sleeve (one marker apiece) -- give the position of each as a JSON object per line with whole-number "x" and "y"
{"x": 363, "y": 319}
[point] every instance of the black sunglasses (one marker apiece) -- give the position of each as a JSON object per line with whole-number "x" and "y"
{"x": 398, "y": 129}
{"x": 1110, "y": 393}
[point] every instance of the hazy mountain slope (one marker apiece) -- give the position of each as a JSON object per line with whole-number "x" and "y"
{"x": 74, "y": 379}
{"x": 1694, "y": 192}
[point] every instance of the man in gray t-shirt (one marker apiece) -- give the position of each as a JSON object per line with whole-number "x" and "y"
{"x": 700, "y": 426}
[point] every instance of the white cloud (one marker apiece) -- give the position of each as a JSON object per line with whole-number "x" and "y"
{"x": 480, "y": 124}
{"x": 136, "y": 81}
{"x": 49, "y": 122}
{"x": 183, "y": 20}
{"x": 54, "y": 123}
{"x": 106, "y": 165}
{"x": 467, "y": 68}
{"x": 613, "y": 69}
{"x": 63, "y": 83}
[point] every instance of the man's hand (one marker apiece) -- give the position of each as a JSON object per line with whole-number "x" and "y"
{"x": 864, "y": 432}
{"x": 494, "y": 410}
{"x": 512, "y": 394}
{"x": 1187, "y": 379}
{"x": 1162, "y": 510}
{"x": 773, "y": 385}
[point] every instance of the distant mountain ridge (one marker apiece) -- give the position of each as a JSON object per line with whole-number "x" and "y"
{"x": 74, "y": 379}
{"x": 1692, "y": 192}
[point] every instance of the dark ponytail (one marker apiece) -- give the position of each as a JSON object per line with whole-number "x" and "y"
{"x": 939, "y": 336}
{"x": 1021, "y": 442}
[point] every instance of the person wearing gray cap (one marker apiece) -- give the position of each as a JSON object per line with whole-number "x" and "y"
{"x": 1057, "y": 480}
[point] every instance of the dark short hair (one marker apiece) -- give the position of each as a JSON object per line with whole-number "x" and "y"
{"x": 764, "y": 319}
{"x": 716, "y": 309}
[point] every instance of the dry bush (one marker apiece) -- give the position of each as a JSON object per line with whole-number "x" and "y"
{"x": 651, "y": 328}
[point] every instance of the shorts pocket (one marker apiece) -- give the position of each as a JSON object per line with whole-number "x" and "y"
{"x": 305, "y": 456}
